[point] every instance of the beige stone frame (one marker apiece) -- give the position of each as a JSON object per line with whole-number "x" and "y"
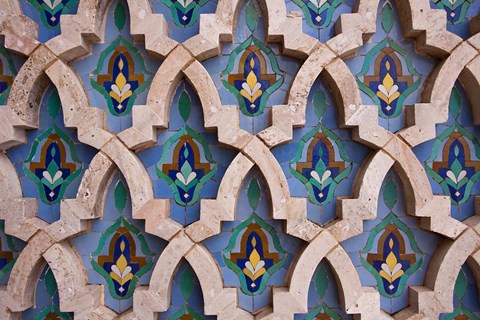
{"x": 49, "y": 63}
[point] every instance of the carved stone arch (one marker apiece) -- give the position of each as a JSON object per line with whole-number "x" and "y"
{"x": 353, "y": 297}
{"x": 419, "y": 21}
{"x": 156, "y": 298}
{"x": 75, "y": 103}
{"x": 79, "y": 31}
{"x": 20, "y": 32}
{"x": 436, "y": 296}
{"x": 45, "y": 241}
{"x": 219, "y": 27}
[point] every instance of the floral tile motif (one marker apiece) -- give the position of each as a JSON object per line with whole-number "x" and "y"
{"x": 397, "y": 254}
{"x": 8, "y": 71}
{"x": 454, "y": 162}
{"x": 321, "y": 162}
{"x": 117, "y": 258}
{"x": 260, "y": 254}
{"x": 253, "y": 83}
{"x": 318, "y": 12}
{"x": 465, "y": 298}
{"x": 117, "y": 253}
{"x": 191, "y": 164}
{"x": 394, "y": 76}
{"x": 456, "y": 9}
{"x": 185, "y": 12}
{"x": 51, "y": 10}
{"x": 126, "y": 75}
{"x": 47, "y": 300}
{"x": 254, "y": 252}
{"x": 52, "y": 163}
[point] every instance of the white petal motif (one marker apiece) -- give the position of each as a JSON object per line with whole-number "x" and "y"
{"x": 126, "y": 272}
{"x": 259, "y": 266}
{"x": 397, "y": 268}
{"x": 390, "y": 93}
{"x": 47, "y": 176}
{"x": 115, "y": 89}
{"x": 191, "y": 176}
{"x": 315, "y": 176}
{"x": 256, "y": 87}
{"x": 57, "y": 176}
{"x": 180, "y": 177}
{"x": 247, "y": 88}
{"x": 52, "y": 3}
{"x": 185, "y": 3}
{"x": 125, "y": 88}
{"x": 461, "y": 175}
{"x": 386, "y": 269}
{"x": 451, "y": 176}
{"x": 325, "y": 176}
{"x": 116, "y": 271}
{"x": 318, "y": 3}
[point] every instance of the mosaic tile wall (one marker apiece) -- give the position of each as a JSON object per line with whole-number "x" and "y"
{"x": 228, "y": 159}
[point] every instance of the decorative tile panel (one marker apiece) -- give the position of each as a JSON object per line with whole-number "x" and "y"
{"x": 391, "y": 83}
{"x": 318, "y": 12}
{"x": 186, "y": 173}
{"x": 52, "y": 173}
{"x": 185, "y": 12}
{"x": 393, "y": 250}
{"x": 121, "y": 84}
{"x": 458, "y": 14}
{"x": 322, "y": 160}
{"x": 47, "y": 301}
{"x": 52, "y": 163}
{"x": 204, "y": 159}
{"x": 9, "y": 250}
{"x": 119, "y": 73}
{"x": 322, "y": 169}
{"x": 253, "y": 83}
{"x": 452, "y": 158}
{"x": 258, "y": 257}
{"x": 454, "y": 162}
{"x": 8, "y": 71}
{"x": 118, "y": 254}
{"x": 323, "y": 300}
{"x": 51, "y": 10}
{"x": 465, "y": 298}
{"x": 47, "y": 14}
{"x": 187, "y": 297}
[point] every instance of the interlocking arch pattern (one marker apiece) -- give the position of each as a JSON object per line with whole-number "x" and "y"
{"x": 239, "y": 159}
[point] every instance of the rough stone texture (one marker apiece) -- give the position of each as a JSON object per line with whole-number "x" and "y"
{"x": 48, "y": 242}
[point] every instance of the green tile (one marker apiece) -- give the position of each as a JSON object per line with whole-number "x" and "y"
{"x": 251, "y": 16}
{"x": 186, "y": 284}
{"x": 387, "y": 17}
{"x": 184, "y": 105}
{"x": 120, "y": 16}
{"x": 253, "y": 193}
{"x": 120, "y": 196}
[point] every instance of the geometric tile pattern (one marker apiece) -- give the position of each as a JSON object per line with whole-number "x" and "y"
{"x": 135, "y": 184}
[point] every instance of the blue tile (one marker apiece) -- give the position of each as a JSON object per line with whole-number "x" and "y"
{"x": 245, "y": 302}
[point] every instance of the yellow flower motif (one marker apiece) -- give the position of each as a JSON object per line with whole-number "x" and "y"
{"x": 388, "y": 90}
{"x": 251, "y": 87}
{"x": 121, "y": 271}
{"x": 391, "y": 269}
{"x": 121, "y": 89}
{"x": 254, "y": 267}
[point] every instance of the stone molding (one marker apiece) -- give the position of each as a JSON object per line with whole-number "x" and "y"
{"x": 49, "y": 243}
